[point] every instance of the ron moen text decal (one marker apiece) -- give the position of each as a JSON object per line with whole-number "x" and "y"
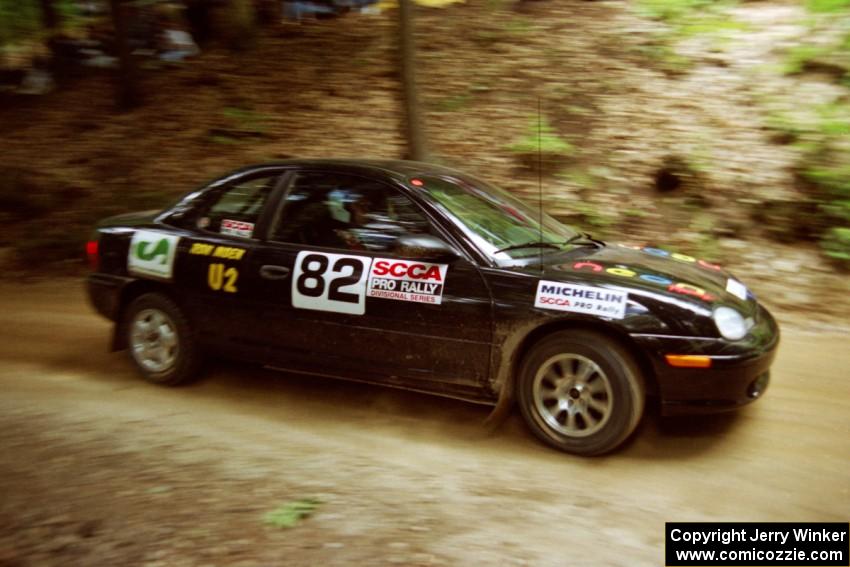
{"x": 581, "y": 299}
{"x": 223, "y": 252}
{"x": 406, "y": 280}
{"x": 330, "y": 282}
{"x": 152, "y": 253}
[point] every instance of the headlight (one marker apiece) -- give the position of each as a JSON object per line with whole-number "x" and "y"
{"x": 730, "y": 323}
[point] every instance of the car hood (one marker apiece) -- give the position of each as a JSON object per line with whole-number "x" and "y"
{"x": 652, "y": 272}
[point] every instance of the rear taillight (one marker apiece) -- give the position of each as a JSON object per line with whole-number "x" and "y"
{"x": 92, "y": 254}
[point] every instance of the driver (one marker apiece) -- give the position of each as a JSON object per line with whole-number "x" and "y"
{"x": 349, "y": 209}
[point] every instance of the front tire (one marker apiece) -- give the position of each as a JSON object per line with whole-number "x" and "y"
{"x": 580, "y": 392}
{"x": 161, "y": 342}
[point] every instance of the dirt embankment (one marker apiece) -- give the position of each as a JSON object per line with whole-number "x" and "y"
{"x": 329, "y": 88}
{"x": 100, "y": 468}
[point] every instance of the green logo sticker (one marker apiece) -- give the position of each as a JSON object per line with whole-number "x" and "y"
{"x": 152, "y": 254}
{"x": 149, "y": 252}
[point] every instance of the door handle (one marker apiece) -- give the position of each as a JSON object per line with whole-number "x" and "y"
{"x": 272, "y": 272}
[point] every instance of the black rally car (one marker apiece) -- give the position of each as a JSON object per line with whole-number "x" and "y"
{"x": 425, "y": 278}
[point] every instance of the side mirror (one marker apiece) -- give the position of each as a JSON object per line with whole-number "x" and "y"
{"x": 425, "y": 247}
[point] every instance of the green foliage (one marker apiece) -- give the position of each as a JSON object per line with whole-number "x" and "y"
{"x": 635, "y": 213}
{"x": 827, "y": 5}
{"x": 797, "y": 57}
{"x": 519, "y": 26}
{"x": 834, "y": 178}
{"x": 836, "y": 245}
{"x": 710, "y": 24}
{"x": 242, "y": 125}
{"x": 591, "y": 218}
{"x": 821, "y": 135}
{"x": 580, "y": 177}
{"x": 690, "y": 17}
{"x": 671, "y": 10}
{"x": 664, "y": 55}
{"x": 19, "y": 19}
{"x": 541, "y": 136}
{"x": 288, "y": 515}
{"x": 708, "y": 248}
{"x": 223, "y": 140}
{"x": 684, "y": 18}
{"x": 245, "y": 119}
{"x": 454, "y": 103}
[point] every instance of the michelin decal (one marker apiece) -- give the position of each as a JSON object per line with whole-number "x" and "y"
{"x": 585, "y": 299}
{"x": 152, "y": 253}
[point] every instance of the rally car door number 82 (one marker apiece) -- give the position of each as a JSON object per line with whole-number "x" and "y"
{"x": 330, "y": 282}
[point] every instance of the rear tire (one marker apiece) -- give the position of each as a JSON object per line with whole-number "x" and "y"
{"x": 161, "y": 342}
{"x": 580, "y": 392}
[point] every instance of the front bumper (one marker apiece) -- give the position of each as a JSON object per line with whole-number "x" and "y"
{"x": 739, "y": 372}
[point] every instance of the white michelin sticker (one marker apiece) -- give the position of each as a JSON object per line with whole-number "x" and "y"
{"x": 737, "y": 289}
{"x": 152, "y": 253}
{"x": 581, "y": 299}
{"x": 330, "y": 282}
{"x": 407, "y": 280}
{"x": 237, "y": 228}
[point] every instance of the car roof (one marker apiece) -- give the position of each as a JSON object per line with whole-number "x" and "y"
{"x": 399, "y": 169}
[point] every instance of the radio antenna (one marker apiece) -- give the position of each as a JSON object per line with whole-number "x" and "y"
{"x": 540, "y": 176}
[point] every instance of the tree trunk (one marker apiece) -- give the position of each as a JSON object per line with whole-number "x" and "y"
{"x": 199, "y": 17}
{"x": 235, "y": 22}
{"x": 48, "y": 15}
{"x": 414, "y": 133}
{"x": 126, "y": 80}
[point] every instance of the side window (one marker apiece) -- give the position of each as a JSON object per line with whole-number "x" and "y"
{"x": 346, "y": 212}
{"x": 237, "y": 209}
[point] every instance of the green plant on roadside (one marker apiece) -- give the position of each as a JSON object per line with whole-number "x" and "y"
{"x": 671, "y": 10}
{"x": 454, "y": 103}
{"x": 797, "y": 57}
{"x": 519, "y": 26}
{"x": 239, "y": 125}
{"x": 288, "y": 515}
{"x": 541, "y": 136}
{"x": 836, "y": 245}
{"x": 827, "y": 6}
{"x": 662, "y": 52}
{"x": 684, "y": 19}
{"x": 635, "y": 213}
{"x": 246, "y": 119}
{"x": 579, "y": 177}
{"x": 591, "y": 217}
{"x": 707, "y": 248}
{"x": 19, "y": 20}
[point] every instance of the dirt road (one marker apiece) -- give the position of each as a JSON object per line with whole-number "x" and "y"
{"x": 99, "y": 468}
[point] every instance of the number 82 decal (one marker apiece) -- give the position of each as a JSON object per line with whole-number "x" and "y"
{"x": 330, "y": 282}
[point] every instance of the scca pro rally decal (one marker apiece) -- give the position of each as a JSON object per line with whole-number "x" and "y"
{"x": 152, "y": 254}
{"x": 407, "y": 281}
{"x": 237, "y": 228}
{"x": 330, "y": 282}
{"x": 581, "y": 299}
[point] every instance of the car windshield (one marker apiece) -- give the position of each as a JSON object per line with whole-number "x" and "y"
{"x": 502, "y": 226}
